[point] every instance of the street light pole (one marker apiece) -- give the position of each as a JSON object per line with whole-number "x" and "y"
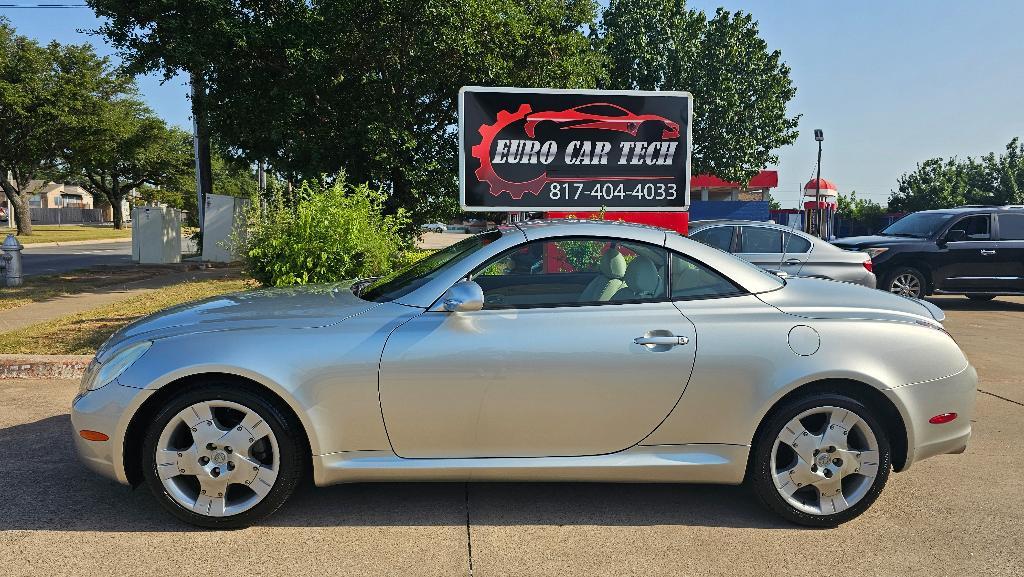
{"x": 819, "y": 136}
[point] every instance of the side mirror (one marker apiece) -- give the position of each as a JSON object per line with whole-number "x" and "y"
{"x": 464, "y": 296}
{"x": 956, "y": 235}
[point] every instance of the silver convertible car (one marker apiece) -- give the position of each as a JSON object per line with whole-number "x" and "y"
{"x": 545, "y": 351}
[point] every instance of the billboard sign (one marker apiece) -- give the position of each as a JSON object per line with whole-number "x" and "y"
{"x": 574, "y": 150}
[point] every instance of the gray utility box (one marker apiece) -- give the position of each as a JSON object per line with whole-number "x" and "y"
{"x": 156, "y": 235}
{"x": 223, "y": 214}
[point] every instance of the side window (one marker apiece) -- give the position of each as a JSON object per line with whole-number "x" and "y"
{"x": 756, "y": 239}
{"x": 976, "y": 227}
{"x": 796, "y": 244}
{"x": 1011, "y": 226}
{"x": 573, "y": 271}
{"x": 719, "y": 237}
{"x": 691, "y": 279}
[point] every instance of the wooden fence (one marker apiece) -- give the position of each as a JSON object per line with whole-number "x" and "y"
{"x": 67, "y": 215}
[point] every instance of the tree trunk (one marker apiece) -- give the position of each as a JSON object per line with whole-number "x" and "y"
{"x": 401, "y": 190}
{"x": 115, "y": 198}
{"x": 22, "y": 210}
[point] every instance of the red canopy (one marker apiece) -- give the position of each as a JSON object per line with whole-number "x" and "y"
{"x": 764, "y": 179}
{"x": 825, "y": 185}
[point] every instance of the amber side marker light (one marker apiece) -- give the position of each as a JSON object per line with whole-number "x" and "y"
{"x": 943, "y": 418}
{"x": 93, "y": 435}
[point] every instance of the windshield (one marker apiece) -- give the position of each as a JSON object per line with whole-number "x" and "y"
{"x": 918, "y": 225}
{"x": 404, "y": 281}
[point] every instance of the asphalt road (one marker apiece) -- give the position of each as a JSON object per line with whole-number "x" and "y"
{"x": 950, "y": 515}
{"x": 57, "y": 259}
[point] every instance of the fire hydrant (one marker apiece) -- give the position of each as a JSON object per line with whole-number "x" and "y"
{"x": 10, "y": 261}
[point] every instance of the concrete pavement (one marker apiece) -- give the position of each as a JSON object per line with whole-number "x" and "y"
{"x": 437, "y": 240}
{"x": 950, "y": 515}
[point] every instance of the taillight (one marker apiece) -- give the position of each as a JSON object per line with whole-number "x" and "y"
{"x": 869, "y": 265}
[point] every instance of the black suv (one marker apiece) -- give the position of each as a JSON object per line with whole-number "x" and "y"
{"x": 976, "y": 251}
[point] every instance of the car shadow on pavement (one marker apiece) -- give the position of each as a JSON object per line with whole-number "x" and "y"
{"x": 966, "y": 304}
{"x": 46, "y": 488}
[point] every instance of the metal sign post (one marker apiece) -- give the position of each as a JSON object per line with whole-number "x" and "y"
{"x": 525, "y": 150}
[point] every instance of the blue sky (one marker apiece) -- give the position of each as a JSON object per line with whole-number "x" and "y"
{"x": 891, "y": 83}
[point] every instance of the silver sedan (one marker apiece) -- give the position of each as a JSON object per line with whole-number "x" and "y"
{"x": 780, "y": 248}
{"x": 544, "y": 351}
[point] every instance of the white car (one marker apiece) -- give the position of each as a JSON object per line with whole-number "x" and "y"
{"x": 434, "y": 227}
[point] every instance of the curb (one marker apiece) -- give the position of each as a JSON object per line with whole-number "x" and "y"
{"x": 43, "y": 366}
{"x": 74, "y": 242}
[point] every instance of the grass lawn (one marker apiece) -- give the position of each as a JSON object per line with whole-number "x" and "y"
{"x": 46, "y": 287}
{"x": 54, "y": 233}
{"x": 83, "y": 333}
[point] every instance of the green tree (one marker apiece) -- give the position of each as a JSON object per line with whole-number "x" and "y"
{"x": 1005, "y": 174}
{"x": 231, "y": 177}
{"x": 127, "y": 146}
{"x": 943, "y": 183}
{"x": 740, "y": 88}
{"x": 46, "y": 94}
{"x": 367, "y": 86}
{"x": 862, "y": 212}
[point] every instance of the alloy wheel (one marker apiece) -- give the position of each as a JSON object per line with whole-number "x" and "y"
{"x": 217, "y": 458}
{"x": 906, "y": 284}
{"x": 825, "y": 460}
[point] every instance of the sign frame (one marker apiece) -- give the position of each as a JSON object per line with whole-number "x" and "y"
{"x": 581, "y": 92}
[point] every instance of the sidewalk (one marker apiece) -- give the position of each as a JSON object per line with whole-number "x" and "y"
{"x": 40, "y": 312}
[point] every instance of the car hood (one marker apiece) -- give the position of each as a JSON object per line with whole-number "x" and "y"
{"x": 877, "y": 240}
{"x": 827, "y": 299}
{"x": 281, "y": 308}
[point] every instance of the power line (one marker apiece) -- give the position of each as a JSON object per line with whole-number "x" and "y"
{"x": 40, "y": 6}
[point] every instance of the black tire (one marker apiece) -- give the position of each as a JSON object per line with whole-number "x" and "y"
{"x": 288, "y": 434}
{"x": 760, "y": 474}
{"x": 899, "y": 276}
{"x": 981, "y": 298}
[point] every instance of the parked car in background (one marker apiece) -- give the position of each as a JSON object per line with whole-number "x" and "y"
{"x": 544, "y": 351}
{"x": 434, "y": 227}
{"x": 976, "y": 251}
{"x": 781, "y": 248}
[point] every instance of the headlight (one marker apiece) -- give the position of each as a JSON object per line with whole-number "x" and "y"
{"x": 99, "y": 375}
{"x": 873, "y": 252}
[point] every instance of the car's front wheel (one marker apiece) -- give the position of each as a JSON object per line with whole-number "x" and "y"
{"x": 906, "y": 281}
{"x": 221, "y": 456}
{"x": 820, "y": 460}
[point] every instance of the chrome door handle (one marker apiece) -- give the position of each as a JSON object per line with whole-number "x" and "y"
{"x": 792, "y": 261}
{"x": 987, "y": 252}
{"x": 670, "y": 341}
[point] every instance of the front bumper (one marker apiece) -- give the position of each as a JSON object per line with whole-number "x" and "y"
{"x": 108, "y": 410}
{"x": 922, "y": 401}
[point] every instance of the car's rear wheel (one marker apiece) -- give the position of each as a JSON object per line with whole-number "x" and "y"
{"x": 981, "y": 297}
{"x": 820, "y": 461}
{"x": 906, "y": 281}
{"x": 222, "y": 457}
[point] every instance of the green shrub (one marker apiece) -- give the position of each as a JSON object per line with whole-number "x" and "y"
{"x": 330, "y": 233}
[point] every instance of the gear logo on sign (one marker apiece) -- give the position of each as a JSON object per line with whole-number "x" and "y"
{"x": 482, "y": 152}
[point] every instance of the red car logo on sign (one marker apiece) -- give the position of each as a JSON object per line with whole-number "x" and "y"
{"x": 601, "y": 116}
